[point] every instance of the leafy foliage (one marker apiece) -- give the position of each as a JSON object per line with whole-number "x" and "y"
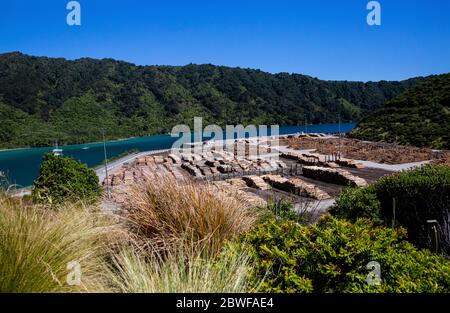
{"x": 332, "y": 255}
{"x": 282, "y": 209}
{"x": 418, "y": 117}
{"x": 353, "y": 203}
{"x": 43, "y": 99}
{"x": 64, "y": 179}
{"x": 420, "y": 195}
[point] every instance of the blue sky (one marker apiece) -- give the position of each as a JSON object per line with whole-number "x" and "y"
{"x": 322, "y": 38}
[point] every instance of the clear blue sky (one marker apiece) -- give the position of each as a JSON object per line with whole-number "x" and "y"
{"x": 322, "y": 38}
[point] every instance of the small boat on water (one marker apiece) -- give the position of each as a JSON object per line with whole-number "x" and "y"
{"x": 85, "y": 148}
{"x": 57, "y": 152}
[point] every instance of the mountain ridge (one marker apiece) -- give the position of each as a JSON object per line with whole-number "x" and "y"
{"x": 47, "y": 99}
{"x": 419, "y": 116}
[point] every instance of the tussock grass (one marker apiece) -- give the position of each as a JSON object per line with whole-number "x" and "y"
{"x": 167, "y": 213}
{"x": 38, "y": 243}
{"x": 180, "y": 272}
{"x": 177, "y": 242}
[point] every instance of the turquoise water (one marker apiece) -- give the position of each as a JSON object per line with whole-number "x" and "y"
{"x": 22, "y": 166}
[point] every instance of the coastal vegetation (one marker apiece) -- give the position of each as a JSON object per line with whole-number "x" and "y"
{"x": 43, "y": 99}
{"x": 188, "y": 238}
{"x": 37, "y": 244}
{"x": 62, "y": 179}
{"x": 135, "y": 271}
{"x": 332, "y": 256}
{"x": 410, "y": 199}
{"x": 419, "y": 117}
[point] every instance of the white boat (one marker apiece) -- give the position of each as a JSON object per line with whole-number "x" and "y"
{"x": 57, "y": 151}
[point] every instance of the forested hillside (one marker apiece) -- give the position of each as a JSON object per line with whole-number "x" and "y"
{"x": 418, "y": 117}
{"x": 43, "y": 100}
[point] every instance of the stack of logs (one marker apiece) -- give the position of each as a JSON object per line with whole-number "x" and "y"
{"x": 333, "y": 175}
{"x": 296, "y": 186}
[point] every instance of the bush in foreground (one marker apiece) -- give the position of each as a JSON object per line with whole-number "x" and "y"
{"x": 332, "y": 255}
{"x": 65, "y": 179}
{"x": 353, "y": 203}
{"x": 409, "y": 199}
{"x": 37, "y": 246}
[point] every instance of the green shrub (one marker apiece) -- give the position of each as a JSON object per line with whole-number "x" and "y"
{"x": 283, "y": 209}
{"x": 353, "y": 203}
{"x": 332, "y": 255}
{"x": 421, "y": 194}
{"x": 65, "y": 179}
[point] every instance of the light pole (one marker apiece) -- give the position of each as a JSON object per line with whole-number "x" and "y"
{"x": 339, "y": 144}
{"x": 306, "y": 125}
{"x": 106, "y": 164}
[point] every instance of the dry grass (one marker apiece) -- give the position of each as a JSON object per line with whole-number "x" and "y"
{"x": 175, "y": 243}
{"x": 138, "y": 271}
{"x": 168, "y": 212}
{"x": 37, "y": 245}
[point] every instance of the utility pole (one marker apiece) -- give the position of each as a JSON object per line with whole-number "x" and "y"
{"x": 106, "y": 164}
{"x": 306, "y": 125}
{"x": 339, "y": 144}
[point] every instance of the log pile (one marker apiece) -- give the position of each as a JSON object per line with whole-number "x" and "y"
{"x": 309, "y": 159}
{"x": 209, "y": 164}
{"x": 256, "y": 182}
{"x": 191, "y": 169}
{"x": 238, "y": 183}
{"x": 333, "y": 175}
{"x": 302, "y": 188}
{"x": 296, "y": 186}
{"x": 175, "y": 158}
{"x": 363, "y": 150}
{"x": 225, "y": 189}
{"x": 349, "y": 163}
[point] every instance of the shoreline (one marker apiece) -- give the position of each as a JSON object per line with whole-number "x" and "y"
{"x": 71, "y": 145}
{"x": 154, "y": 135}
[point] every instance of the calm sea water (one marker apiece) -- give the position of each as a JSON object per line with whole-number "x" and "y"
{"x": 22, "y": 166}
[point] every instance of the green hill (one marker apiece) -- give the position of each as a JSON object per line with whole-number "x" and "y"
{"x": 418, "y": 117}
{"x": 44, "y": 99}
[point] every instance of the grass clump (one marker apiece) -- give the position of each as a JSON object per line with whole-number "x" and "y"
{"x": 179, "y": 272}
{"x": 39, "y": 248}
{"x": 168, "y": 212}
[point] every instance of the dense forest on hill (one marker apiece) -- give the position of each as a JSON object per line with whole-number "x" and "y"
{"x": 43, "y": 99}
{"x": 418, "y": 117}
